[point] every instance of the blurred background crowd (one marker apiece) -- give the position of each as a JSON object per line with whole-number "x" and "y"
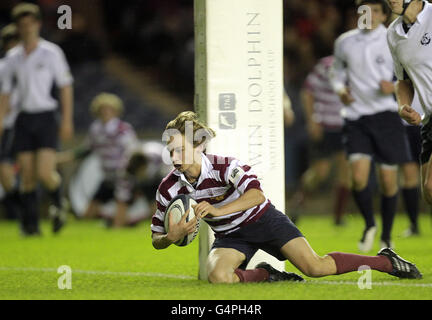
{"x": 143, "y": 51}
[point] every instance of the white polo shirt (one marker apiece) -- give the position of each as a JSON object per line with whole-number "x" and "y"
{"x": 412, "y": 53}
{"x": 361, "y": 60}
{"x": 10, "y": 117}
{"x": 35, "y": 74}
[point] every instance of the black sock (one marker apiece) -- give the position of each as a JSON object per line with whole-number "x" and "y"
{"x": 30, "y": 211}
{"x": 411, "y": 201}
{"x": 11, "y": 203}
{"x": 364, "y": 202}
{"x": 56, "y": 196}
{"x": 388, "y": 212}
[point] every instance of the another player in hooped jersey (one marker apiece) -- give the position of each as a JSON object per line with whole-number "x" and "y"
{"x": 111, "y": 139}
{"x": 232, "y": 202}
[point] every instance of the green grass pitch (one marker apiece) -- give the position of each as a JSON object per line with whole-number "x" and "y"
{"x": 122, "y": 264}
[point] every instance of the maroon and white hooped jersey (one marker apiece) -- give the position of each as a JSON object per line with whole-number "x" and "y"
{"x": 327, "y": 106}
{"x": 111, "y": 142}
{"x": 222, "y": 180}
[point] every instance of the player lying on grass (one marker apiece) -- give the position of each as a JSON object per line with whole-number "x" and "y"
{"x": 111, "y": 139}
{"x": 231, "y": 201}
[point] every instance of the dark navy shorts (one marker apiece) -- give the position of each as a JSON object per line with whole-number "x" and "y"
{"x": 414, "y": 139}
{"x": 105, "y": 192}
{"x": 269, "y": 233}
{"x": 381, "y": 135}
{"x": 34, "y": 131}
{"x": 426, "y": 141}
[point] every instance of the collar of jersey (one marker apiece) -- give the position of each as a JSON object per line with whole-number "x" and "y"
{"x": 421, "y": 15}
{"x": 420, "y": 19}
{"x": 22, "y": 50}
{"x": 205, "y": 162}
{"x": 111, "y": 125}
{"x": 370, "y": 35}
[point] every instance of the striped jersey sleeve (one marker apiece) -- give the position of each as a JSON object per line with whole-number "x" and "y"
{"x": 222, "y": 180}
{"x": 229, "y": 178}
{"x": 163, "y": 198}
{"x": 241, "y": 176}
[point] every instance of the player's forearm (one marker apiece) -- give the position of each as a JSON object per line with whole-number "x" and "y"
{"x": 404, "y": 92}
{"x": 72, "y": 155}
{"x": 66, "y": 101}
{"x": 338, "y": 75}
{"x": 308, "y": 104}
{"x": 4, "y": 107}
{"x": 250, "y": 199}
{"x": 161, "y": 241}
{"x": 65, "y": 156}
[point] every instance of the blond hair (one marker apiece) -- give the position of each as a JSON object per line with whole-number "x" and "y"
{"x": 189, "y": 117}
{"x": 109, "y": 99}
{"x": 24, "y": 9}
{"x": 8, "y": 33}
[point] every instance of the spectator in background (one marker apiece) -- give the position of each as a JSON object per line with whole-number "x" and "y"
{"x": 78, "y": 45}
{"x": 36, "y": 65}
{"x": 112, "y": 140}
{"x": 11, "y": 202}
{"x": 324, "y": 122}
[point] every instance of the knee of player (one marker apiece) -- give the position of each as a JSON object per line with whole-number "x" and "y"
{"x": 47, "y": 177}
{"x": 27, "y": 185}
{"x": 312, "y": 269}
{"x": 411, "y": 182}
{"x": 359, "y": 182}
{"x": 220, "y": 276}
{"x": 389, "y": 190}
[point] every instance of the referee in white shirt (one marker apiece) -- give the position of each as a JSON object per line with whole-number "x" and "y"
{"x": 410, "y": 41}
{"x": 362, "y": 76}
{"x": 36, "y": 65}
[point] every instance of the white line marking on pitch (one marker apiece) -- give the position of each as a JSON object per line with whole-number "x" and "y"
{"x": 381, "y": 283}
{"x": 184, "y": 277}
{"x": 110, "y": 273}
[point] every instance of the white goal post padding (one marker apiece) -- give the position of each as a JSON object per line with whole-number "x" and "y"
{"x": 239, "y": 93}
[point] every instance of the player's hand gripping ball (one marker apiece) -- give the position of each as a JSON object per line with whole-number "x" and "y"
{"x": 175, "y": 211}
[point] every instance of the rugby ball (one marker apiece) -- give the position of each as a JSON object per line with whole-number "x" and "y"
{"x": 175, "y": 210}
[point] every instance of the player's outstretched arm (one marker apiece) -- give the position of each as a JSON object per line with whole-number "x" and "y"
{"x": 176, "y": 232}
{"x": 121, "y": 213}
{"x": 405, "y": 95}
{"x": 161, "y": 241}
{"x": 4, "y": 108}
{"x": 314, "y": 129}
{"x": 66, "y": 124}
{"x": 404, "y": 92}
{"x": 251, "y": 198}
{"x": 72, "y": 155}
{"x": 409, "y": 114}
